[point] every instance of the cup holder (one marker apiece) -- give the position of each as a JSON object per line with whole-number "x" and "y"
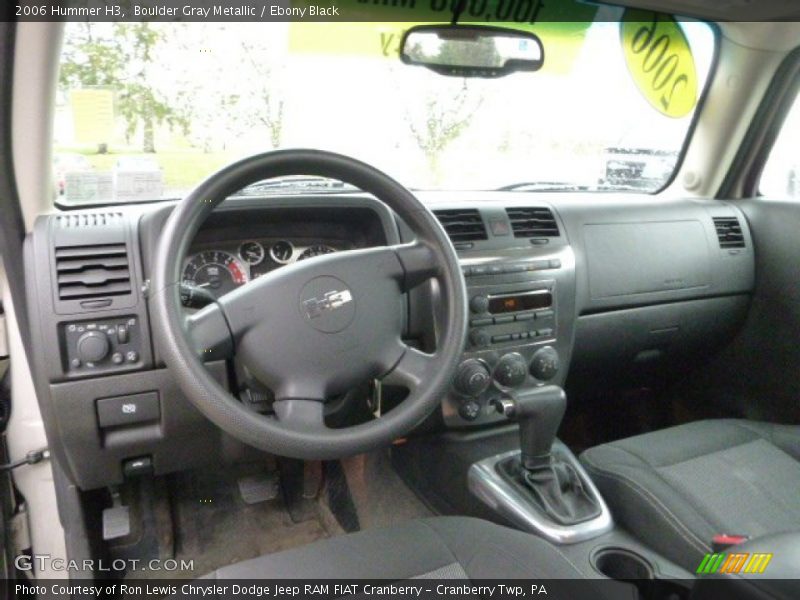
{"x": 622, "y": 565}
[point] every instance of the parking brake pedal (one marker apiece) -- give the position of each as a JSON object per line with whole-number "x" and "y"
{"x": 258, "y": 488}
{"x": 116, "y": 519}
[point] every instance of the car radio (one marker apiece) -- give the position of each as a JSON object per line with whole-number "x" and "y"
{"x": 500, "y": 318}
{"x": 513, "y": 338}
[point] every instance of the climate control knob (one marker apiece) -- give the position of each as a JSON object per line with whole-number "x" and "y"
{"x": 511, "y": 370}
{"x": 472, "y": 377}
{"x": 92, "y": 346}
{"x": 545, "y": 363}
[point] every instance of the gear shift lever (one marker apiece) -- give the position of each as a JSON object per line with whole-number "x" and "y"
{"x": 539, "y": 412}
{"x": 554, "y": 483}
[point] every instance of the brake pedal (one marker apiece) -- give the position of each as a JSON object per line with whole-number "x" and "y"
{"x": 116, "y": 519}
{"x": 258, "y": 488}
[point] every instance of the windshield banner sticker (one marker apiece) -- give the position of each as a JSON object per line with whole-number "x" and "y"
{"x": 660, "y": 61}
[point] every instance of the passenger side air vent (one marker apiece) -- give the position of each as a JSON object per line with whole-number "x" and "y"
{"x": 729, "y": 232}
{"x": 533, "y": 222}
{"x": 462, "y": 225}
{"x": 92, "y": 271}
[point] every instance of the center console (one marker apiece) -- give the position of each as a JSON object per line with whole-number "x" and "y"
{"x": 521, "y": 292}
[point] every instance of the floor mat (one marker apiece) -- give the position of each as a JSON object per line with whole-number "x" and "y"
{"x": 381, "y": 498}
{"x": 215, "y": 527}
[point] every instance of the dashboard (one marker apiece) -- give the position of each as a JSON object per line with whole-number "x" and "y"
{"x": 582, "y": 287}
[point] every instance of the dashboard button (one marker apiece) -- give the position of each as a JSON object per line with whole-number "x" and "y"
{"x": 128, "y": 410}
{"x": 479, "y": 304}
{"x": 92, "y": 346}
{"x": 511, "y": 370}
{"x": 123, "y": 335}
{"x": 470, "y": 410}
{"x": 472, "y": 377}
{"x": 501, "y": 338}
{"x": 480, "y": 337}
{"x": 524, "y": 317}
{"x": 482, "y": 321}
{"x": 504, "y": 319}
{"x": 545, "y": 363}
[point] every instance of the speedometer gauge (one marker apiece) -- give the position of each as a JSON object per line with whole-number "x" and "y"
{"x": 216, "y": 271}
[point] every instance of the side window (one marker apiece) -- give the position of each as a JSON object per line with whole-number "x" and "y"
{"x": 781, "y": 175}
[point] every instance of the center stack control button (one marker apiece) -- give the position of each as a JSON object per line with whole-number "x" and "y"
{"x": 480, "y": 337}
{"x": 479, "y": 304}
{"x": 472, "y": 377}
{"x": 512, "y": 370}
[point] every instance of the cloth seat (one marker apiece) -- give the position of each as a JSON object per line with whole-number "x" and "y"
{"x": 435, "y": 548}
{"x": 677, "y": 488}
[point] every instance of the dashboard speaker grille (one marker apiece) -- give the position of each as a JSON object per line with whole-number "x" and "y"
{"x": 462, "y": 225}
{"x": 729, "y": 232}
{"x": 533, "y": 222}
{"x": 92, "y": 271}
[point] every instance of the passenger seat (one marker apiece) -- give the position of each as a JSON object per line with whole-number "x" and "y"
{"x": 677, "y": 488}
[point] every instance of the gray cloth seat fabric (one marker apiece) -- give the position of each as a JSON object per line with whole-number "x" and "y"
{"x": 436, "y": 548}
{"x": 678, "y": 487}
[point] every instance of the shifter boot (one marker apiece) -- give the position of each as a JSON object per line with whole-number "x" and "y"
{"x": 556, "y": 488}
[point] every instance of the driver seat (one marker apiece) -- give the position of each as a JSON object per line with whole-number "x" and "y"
{"x": 434, "y": 548}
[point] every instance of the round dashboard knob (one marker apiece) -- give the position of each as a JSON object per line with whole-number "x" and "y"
{"x": 480, "y": 337}
{"x": 472, "y": 377}
{"x": 92, "y": 346}
{"x": 511, "y": 370}
{"x": 479, "y": 304}
{"x": 545, "y": 363}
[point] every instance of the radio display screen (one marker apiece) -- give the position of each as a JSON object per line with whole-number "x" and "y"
{"x": 512, "y": 303}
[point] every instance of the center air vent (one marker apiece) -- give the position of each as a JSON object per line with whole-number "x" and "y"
{"x": 92, "y": 271}
{"x": 462, "y": 225}
{"x": 532, "y": 222}
{"x": 729, "y": 232}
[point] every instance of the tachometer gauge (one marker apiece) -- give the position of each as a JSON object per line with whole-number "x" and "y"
{"x": 281, "y": 252}
{"x": 251, "y": 252}
{"x": 216, "y": 271}
{"x": 316, "y": 250}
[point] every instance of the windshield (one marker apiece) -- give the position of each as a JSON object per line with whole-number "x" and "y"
{"x": 146, "y": 111}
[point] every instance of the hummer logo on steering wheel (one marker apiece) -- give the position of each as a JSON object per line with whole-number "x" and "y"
{"x": 330, "y": 301}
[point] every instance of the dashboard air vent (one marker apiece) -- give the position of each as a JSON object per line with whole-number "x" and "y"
{"x": 729, "y": 232}
{"x": 92, "y": 271}
{"x": 533, "y": 222}
{"x": 82, "y": 220}
{"x": 462, "y": 225}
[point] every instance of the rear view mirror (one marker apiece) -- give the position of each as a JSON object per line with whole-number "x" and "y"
{"x": 471, "y": 51}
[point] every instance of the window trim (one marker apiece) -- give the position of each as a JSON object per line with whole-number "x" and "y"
{"x": 744, "y": 174}
{"x": 698, "y": 109}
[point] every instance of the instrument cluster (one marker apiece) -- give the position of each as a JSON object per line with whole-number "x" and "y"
{"x": 224, "y": 267}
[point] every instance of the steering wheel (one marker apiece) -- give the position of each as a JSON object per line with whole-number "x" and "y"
{"x": 316, "y": 328}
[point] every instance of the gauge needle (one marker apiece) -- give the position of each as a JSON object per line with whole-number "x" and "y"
{"x": 206, "y": 284}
